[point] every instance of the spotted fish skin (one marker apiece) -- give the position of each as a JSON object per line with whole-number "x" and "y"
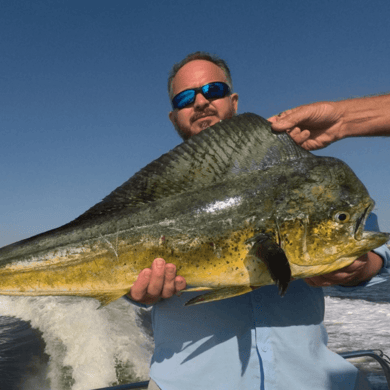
{"x": 206, "y": 206}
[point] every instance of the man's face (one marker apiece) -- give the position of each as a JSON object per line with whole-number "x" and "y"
{"x": 202, "y": 113}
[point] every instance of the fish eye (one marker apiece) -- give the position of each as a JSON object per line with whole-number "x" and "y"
{"x": 341, "y": 217}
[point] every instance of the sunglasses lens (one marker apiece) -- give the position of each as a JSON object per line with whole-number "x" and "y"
{"x": 215, "y": 90}
{"x": 183, "y": 99}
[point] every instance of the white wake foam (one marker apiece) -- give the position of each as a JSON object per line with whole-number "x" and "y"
{"x": 88, "y": 348}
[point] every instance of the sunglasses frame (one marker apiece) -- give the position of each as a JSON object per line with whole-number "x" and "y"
{"x": 221, "y": 84}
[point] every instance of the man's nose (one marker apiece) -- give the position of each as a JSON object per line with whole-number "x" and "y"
{"x": 200, "y": 101}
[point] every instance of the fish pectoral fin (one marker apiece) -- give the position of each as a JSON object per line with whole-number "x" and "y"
{"x": 219, "y": 294}
{"x": 273, "y": 256}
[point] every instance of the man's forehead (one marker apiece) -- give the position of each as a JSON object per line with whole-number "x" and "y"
{"x": 195, "y": 74}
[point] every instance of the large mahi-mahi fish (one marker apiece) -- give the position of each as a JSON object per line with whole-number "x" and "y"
{"x": 234, "y": 208}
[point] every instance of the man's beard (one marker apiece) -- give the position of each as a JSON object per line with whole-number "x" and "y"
{"x": 181, "y": 133}
{"x": 184, "y": 136}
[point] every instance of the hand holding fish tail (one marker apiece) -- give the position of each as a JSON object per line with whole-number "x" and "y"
{"x": 159, "y": 281}
{"x": 361, "y": 270}
{"x": 312, "y": 126}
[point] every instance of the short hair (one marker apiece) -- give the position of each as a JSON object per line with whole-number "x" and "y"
{"x": 199, "y": 55}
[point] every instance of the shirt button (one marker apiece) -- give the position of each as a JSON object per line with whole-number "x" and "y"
{"x": 264, "y": 348}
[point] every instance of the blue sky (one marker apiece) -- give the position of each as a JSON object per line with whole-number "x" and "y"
{"x": 83, "y": 101}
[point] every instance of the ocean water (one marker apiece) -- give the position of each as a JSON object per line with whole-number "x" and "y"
{"x": 56, "y": 343}
{"x": 358, "y": 320}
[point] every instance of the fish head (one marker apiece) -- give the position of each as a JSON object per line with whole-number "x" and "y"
{"x": 327, "y": 231}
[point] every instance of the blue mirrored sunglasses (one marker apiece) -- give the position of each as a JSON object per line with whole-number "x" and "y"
{"x": 216, "y": 90}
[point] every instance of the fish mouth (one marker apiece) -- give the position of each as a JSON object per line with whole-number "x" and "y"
{"x": 361, "y": 221}
{"x": 378, "y": 238}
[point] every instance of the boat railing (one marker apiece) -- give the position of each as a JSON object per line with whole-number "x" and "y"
{"x": 376, "y": 354}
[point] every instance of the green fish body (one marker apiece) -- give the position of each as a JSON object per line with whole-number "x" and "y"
{"x": 235, "y": 208}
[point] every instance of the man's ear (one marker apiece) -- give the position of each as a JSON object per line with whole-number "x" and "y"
{"x": 172, "y": 117}
{"x": 234, "y": 97}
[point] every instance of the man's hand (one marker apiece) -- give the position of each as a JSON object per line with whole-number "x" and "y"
{"x": 312, "y": 126}
{"x": 159, "y": 281}
{"x": 362, "y": 269}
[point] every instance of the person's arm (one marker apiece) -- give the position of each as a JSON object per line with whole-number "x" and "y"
{"x": 317, "y": 125}
{"x": 159, "y": 281}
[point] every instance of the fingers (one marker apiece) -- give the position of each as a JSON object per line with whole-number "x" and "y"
{"x": 287, "y": 119}
{"x": 168, "y": 287}
{"x": 139, "y": 289}
{"x": 299, "y": 136}
{"x": 180, "y": 283}
{"x": 159, "y": 281}
{"x": 172, "y": 283}
{"x": 343, "y": 276}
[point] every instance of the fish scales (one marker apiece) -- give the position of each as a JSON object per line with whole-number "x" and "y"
{"x": 235, "y": 207}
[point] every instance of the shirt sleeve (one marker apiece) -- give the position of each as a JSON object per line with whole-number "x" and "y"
{"x": 384, "y": 252}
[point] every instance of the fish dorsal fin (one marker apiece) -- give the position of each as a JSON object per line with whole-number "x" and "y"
{"x": 253, "y": 145}
{"x": 238, "y": 145}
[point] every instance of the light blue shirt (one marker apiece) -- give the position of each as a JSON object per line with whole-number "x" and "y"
{"x": 255, "y": 341}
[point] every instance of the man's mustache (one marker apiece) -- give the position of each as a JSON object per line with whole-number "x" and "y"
{"x": 198, "y": 115}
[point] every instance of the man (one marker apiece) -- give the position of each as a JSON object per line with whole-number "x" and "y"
{"x": 254, "y": 341}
